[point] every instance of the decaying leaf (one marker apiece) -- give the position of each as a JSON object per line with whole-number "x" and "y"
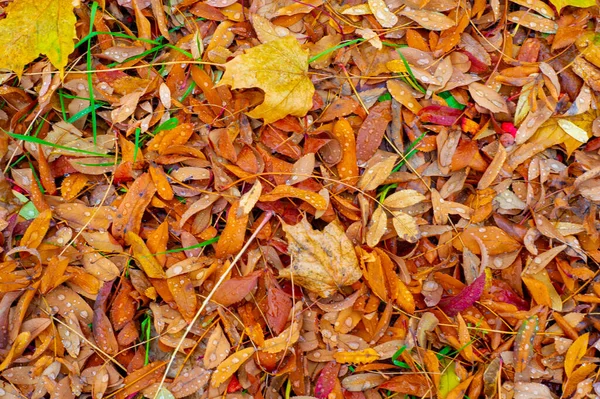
{"x": 322, "y": 261}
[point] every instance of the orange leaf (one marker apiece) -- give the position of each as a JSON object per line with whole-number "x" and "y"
{"x": 37, "y": 230}
{"x": 131, "y": 210}
{"x": 141, "y": 378}
{"x": 167, "y": 138}
{"x": 372, "y": 270}
{"x": 347, "y": 167}
{"x": 368, "y": 355}
{"x": 72, "y": 185}
{"x": 232, "y": 238}
{"x": 185, "y": 296}
{"x": 284, "y": 191}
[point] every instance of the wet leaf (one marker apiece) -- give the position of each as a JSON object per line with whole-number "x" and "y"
{"x": 559, "y": 4}
{"x": 284, "y": 191}
{"x": 467, "y": 297}
{"x": 230, "y": 366}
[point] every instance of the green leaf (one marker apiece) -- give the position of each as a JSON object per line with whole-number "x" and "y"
{"x": 559, "y": 4}
{"x": 35, "y": 27}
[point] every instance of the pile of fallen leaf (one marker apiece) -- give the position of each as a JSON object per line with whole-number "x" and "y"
{"x": 280, "y": 198}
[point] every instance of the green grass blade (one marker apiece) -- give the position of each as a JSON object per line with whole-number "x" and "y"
{"x": 36, "y": 140}
{"x": 89, "y": 71}
{"x": 84, "y": 112}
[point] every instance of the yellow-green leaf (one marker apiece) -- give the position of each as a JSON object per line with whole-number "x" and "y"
{"x": 280, "y": 69}
{"x": 449, "y": 380}
{"x": 559, "y": 4}
{"x": 575, "y": 353}
{"x": 35, "y": 27}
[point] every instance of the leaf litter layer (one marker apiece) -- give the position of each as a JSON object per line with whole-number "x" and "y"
{"x": 280, "y": 199}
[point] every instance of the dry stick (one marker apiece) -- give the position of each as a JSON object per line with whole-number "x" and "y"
{"x": 209, "y": 296}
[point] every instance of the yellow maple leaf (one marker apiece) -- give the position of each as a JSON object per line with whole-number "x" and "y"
{"x": 35, "y": 27}
{"x": 280, "y": 69}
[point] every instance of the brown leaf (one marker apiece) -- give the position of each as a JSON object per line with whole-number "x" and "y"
{"x": 128, "y": 217}
{"x": 372, "y": 130}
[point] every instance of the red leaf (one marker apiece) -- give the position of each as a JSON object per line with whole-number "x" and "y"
{"x": 327, "y": 380}
{"x": 476, "y": 65}
{"x": 234, "y": 385}
{"x": 371, "y": 131}
{"x": 465, "y": 299}
{"x": 279, "y": 306}
{"x": 440, "y": 115}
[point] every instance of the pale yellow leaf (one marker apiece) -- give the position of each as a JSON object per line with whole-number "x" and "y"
{"x": 430, "y": 20}
{"x": 382, "y": 13}
{"x": 533, "y": 21}
{"x": 406, "y": 226}
{"x": 249, "y": 199}
{"x": 284, "y": 340}
{"x": 377, "y": 227}
{"x": 374, "y": 176}
{"x": 573, "y": 130}
{"x": 322, "y": 261}
{"x": 403, "y": 199}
